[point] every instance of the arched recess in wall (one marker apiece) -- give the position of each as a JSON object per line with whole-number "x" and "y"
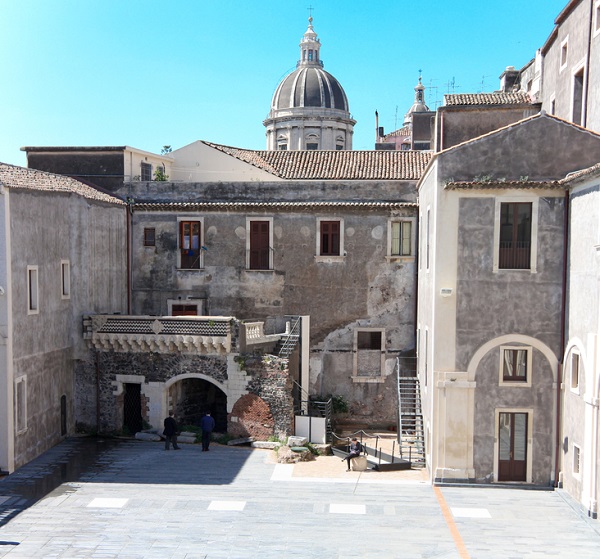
{"x": 191, "y": 395}
{"x": 575, "y": 348}
{"x": 508, "y": 339}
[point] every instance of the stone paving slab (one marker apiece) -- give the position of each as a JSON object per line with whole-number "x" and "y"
{"x": 146, "y": 503}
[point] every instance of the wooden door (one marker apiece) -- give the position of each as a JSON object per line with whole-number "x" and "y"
{"x": 512, "y": 447}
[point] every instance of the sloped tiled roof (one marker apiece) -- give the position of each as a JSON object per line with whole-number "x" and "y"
{"x": 498, "y": 184}
{"x": 404, "y": 131}
{"x": 275, "y": 205}
{"x": 15, "y": 177}
{"x": 334, "y": 165}
{"x": 496, "y": 98}
{"x": 582, "y": 174}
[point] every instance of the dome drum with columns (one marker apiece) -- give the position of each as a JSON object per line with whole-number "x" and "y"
{"x": 309, "y": 109}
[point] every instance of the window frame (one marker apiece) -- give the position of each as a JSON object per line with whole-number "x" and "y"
{"x": 180, "y": 249}
{"x": 563, "y": 54}
{"x": 574, "y": 371}
{"x": 579, "y": 69}
{"x": 65, "y": 279}
{"x": 20, "y": 404}
{"x": 533, "y": 249}
{"x": 319, "y": 257}
{"x": 390, "y": 238}
{"x": 149, "y": 238}
{"x": 382, "y": 350}
{"x": 514, "y": 383}
{"x": 145, "y": 171}
{"x": 596, "y": 18}
{"x": 249, "y": 221}
{"x": 576, "y": 462}
{"x": 33, "y": 290}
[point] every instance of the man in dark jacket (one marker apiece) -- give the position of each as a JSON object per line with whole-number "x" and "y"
{"x": 170, "y": 432}
{"x": 355, "y": 450}
{"x": 207, "y": 423}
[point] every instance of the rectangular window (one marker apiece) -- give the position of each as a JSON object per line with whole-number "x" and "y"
{"x": 32, "y": 290}
{"x": 597, "y": 18}
{"x": 21, "y": 404}
{"x": 427, "y": 240}
{"x": 514, "y": 365}
{"x": 564, "y": 53}
{"x": 330, "y": 238}
{"x": 184, "y": 310}
{"x": 146, "y": 171}
{"x": 576, "y": 460}
{"x": 190, "y": 245}
{"x": 575, "y": 371}
{"x": 369, "y": 355}
{"x": 515, "y": 236}
{"x": 149, "y": 236}
{"x": 260, "y": 251}
{"x": 368, "y": 340}
{"x": 401, "y": 238}
{"x": 578, "y": 79}
{"x": 65, "y": 279}
{"x": 312, "y": 146}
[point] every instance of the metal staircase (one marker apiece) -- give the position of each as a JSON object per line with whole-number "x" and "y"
{"x": 289, "y": 340}
{"x": 410, "y": 417}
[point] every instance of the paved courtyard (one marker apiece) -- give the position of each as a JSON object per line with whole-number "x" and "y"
{"x": 133, "y": 500}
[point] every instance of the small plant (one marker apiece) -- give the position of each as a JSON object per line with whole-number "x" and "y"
{"x": 160, "y": 175}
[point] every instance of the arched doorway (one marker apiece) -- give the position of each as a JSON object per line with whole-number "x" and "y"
{"x": 192, "y": 397}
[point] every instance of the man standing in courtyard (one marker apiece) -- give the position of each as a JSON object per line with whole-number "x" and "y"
{"x": 170, "y": 432}
{"x": 207, "y": 424}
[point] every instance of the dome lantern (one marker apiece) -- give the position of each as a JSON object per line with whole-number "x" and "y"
{"x": 309, "y": 109}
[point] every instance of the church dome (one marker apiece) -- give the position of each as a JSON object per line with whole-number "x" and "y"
{"x": 310, "y": 86}
{"x": 309, "y": 109}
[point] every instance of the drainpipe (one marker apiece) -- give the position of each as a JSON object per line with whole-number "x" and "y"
{"x": 563, "y": 313}
{"x": 129, "y": 212}
{"x": 587, "y": 63}
{"x": 97, "y": 392}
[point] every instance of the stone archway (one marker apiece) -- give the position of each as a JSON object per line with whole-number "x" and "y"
{"x": 191, "y": 397}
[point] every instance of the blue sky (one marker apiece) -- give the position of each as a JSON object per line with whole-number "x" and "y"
{"x": 147, "y": 73}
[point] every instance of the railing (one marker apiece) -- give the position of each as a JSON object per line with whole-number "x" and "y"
{"x": 252, "y": 337}
{"x": 383, "y": 453}
{"x": 260, "y": 259}
{"x": 290, "y": 338}
{"x": 514, "y": 255}
{"x": 162, "y": 334}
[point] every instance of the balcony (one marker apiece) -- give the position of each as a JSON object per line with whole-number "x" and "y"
{"x": 208, "y": 335}
{"x": 160, "y": 334}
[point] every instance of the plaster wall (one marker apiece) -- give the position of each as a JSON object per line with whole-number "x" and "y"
{"x": 537, "y": 399}
{"x": 6, "y": 366}
{"x": 541, "y": 148}
{"x": 361, "y": 289}
{"x": 578, "y": 32}
{"x": 47, "y": 230}
{"x": 457, "y": 125}
{"x": 199, "y": 162}
{"x": 580, "y": 415}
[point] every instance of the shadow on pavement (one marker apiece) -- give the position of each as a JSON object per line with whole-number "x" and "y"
{"x": 106, "y": 460}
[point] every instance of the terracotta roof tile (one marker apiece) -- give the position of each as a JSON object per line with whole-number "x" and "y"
{"x": 334, "y": 165}
{"x": 496, "y": 98}
{"x": 404, "y": 131}
{"x": 582, "y": 174}
{"x": 496, "y": 185}
{"x": 281, "y": 205}
{"x": 15, "y": 177}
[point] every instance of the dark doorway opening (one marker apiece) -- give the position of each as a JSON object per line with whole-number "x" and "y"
{"x": 193, "y": 397}
{"x": 132, "y": 408}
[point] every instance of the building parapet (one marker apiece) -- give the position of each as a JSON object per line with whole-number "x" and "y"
{"x": 160, "y": 334}
{"x": 183, "y": 334}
